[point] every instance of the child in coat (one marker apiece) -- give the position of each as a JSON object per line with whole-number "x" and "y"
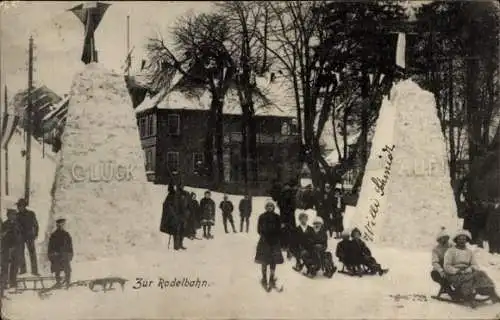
{"x": 227, "y": 208}
{"x": 317, "y": 245}
{"x": 268, "y": 251}
{"x": 344, "y": 251}
{"x": 207, "y": 207}
{"x": 301, "y": 240}
{"x": 362, "y": 255}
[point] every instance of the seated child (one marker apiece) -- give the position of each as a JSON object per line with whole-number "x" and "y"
{"x": 300, "y": 240}
{"x": 437, "y": 273}
{"x": 344, "y": 251}
{"x": 316, "y": 248}
{"x": 362, "y": 255}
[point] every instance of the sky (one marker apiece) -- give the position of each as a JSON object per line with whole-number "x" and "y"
{"x": 58, "y": 37}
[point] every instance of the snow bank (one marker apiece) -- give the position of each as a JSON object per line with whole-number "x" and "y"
{"x": 100, "y": 184}
{"x": 406, "y": 194}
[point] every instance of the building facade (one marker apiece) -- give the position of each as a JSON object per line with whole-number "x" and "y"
{"x": 173, "y": 142}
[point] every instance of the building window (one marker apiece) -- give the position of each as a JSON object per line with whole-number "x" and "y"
{"x": 147, "y": 126}
{"x": 198, "y": 160}
{"x": 173, "y": 161}
{"x": 173, "y": 124}
{"x": 142, "y": 127}
{"x": 150, "y": 155}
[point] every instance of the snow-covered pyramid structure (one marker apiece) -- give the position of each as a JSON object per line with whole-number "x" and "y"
{"x": 100, "y": 185}
{"x": 406, "y": 194}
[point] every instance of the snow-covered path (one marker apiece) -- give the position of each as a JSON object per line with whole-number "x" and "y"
{"x": 226, "y": 263}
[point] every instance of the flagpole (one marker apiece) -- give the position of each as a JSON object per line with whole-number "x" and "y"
{"x": 6, "y": 152}
{"x": 129, "y": 58}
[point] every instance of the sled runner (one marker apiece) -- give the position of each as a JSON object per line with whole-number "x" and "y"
{"x": 479, "y": 302}
{"x": 360, "y": 271}
{"x": 34, "y": 283}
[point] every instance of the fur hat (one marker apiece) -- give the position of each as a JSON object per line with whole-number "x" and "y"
{"x": 443, "y": 233}
{"x": 462, "y": 233}
{"x": 318, "y": 220}
{"x": 60, "y": 220}
{"x": 270, "y": 202}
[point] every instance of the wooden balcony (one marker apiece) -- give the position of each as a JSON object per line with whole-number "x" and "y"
{"x": 263, "y": 138}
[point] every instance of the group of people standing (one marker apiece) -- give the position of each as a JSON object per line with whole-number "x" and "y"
{"x": 19, "y": 231}
{"x": 183, "y": 215}
{"x": 456, "y": 269}
{"x": 328, "y": 202}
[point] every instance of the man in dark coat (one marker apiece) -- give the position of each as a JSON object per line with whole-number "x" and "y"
{"x": 172, "y": 220}
{"x": 287, "y": 215}
{"x": 493, "y": 227}
{"x": 227, "y": 208}
{"x": 11, "y": 242}
{"x": 29, "y": 229}
{"x": 207, "y": 208}
{"x": 193, "y": 223}
{"x": 183, "y": 198}
{"x": 60, "y": 253}
{"x": 337, "y": 220}
{"x": 325, "y": 207}
{"x": 245, "y": 208}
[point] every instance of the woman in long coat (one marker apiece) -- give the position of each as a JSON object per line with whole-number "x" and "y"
{"x": 194, "y": 221}
{"x": 172, "y": 221}
{"x": 463, "y": 271}
{"x": 268, "y": 248}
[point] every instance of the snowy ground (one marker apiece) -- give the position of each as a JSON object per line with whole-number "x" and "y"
{"x": 226, "y": 263}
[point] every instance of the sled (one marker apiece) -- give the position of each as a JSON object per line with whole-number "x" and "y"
{"x": 480, "y": 301}
{"x": 38, "y": 283}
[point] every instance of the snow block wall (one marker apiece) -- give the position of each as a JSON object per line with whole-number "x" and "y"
{"x": 408, "y": 196}
{"x": 100, "y": 185}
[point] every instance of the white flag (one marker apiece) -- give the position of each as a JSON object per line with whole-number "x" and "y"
{"x": 401, "y": 50}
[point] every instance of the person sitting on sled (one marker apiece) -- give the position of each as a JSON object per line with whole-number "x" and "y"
{"x": 268, "y": 251}
{"x": 464, "y": 274}
{"x": 300, "y": 240}
{"x": 362, "y": 255}
{"x": 316, "y": 248}
{"x": 344, "y": 251}
{"x": 437, "y": 274}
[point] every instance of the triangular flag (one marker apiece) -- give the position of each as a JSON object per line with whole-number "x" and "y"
{"x": 401, "y": 50}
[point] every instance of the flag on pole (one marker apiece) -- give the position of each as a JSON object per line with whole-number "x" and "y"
{"x": 401, "y": 50}
{"x": 9, "y": 125}
{"x": 90, "y": 14}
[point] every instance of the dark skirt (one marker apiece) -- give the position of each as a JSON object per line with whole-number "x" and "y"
{"x": 337, "y": 223}
{"x": 268, "y": 253}
{"x": 468, "y": 283}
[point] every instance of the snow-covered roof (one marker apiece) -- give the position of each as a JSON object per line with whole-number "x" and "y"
{"x": 278, "y": 101}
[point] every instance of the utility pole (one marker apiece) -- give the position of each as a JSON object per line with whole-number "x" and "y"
{"x": 30, "y": 122}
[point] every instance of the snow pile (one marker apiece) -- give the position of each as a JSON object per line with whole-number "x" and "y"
{"x": 407, "y": 196}
{"x": 100, "y": 184}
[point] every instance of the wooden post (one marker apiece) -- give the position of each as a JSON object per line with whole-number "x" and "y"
{"x": 30, "y": 125}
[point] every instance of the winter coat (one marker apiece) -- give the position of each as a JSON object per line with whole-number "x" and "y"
{"x": 173, "y": 215}
{"x": 60, "y": 250}
{"x": 286, "y": 205}
{"x": 318, "y": 240}
{"x": 207, "y": 207}
{"x": 360, "y": 251}
{"x": 226, "y": 207}
{"x": 269, "y": 248}
{"x": 245, "y": 207}
{"x": 11, "y": 234}
{"x": 194, "y": 208}
{"x": 300, "y": 239}
{"x": 338, "y": 204}
{"x": 28, "y": 223}
{"x": 344, "y": 251}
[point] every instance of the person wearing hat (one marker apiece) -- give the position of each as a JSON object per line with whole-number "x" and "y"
{"x": 268, "y": 251}
{"x": 300, "y": 240}
{"x": 338, "y": 212}
{"x": 245, "y": 208}
{"x": 60, "y": 252}
{"x": 11, "y": 242}
{"x": 437, "y": 274}
{"x": 207, "y": 207}
{"x": 318, "y": 243}
{"x": 227, "y": 208}
{"x": 463, "y": 272}
{"x": 362, "y": 255}
{"x": 29, "y": 229}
